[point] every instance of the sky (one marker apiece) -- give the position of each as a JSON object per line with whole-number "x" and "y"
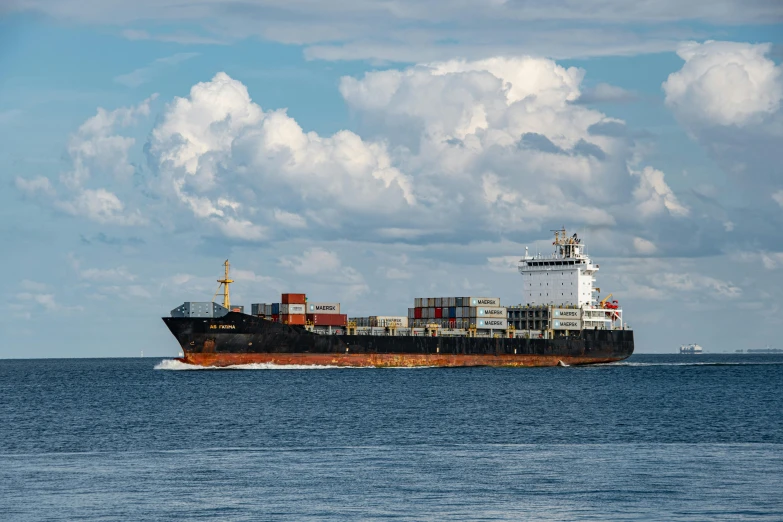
{"x": 372, "y": 152}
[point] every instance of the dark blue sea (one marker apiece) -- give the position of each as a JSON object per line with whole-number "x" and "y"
{"x": 654, "y": 438}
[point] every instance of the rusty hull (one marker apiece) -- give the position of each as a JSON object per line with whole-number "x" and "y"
{"x": 386, "y": 360}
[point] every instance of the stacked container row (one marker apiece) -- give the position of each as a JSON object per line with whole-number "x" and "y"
{"x": 292, "y": 309}
{"x": 265, "y": 309}
{"x": 381, "y": 321}
{"x": 441, "y": 302}
{"x": 458, "y": 312}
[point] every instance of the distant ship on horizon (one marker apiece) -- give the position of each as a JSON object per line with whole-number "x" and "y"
{"x": 766, "y": 349}
{"x": 691, "y": 349}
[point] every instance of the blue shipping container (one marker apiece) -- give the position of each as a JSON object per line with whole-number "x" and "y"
{"x": 275, "y": 308}
{"x": 452, "y": 312}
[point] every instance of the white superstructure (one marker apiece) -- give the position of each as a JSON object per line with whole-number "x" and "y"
{"x": 563, "y": 282}
{"x": 691, "y": 349}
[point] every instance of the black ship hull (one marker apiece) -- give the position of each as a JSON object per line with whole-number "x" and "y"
{"x": 238, "y": 338}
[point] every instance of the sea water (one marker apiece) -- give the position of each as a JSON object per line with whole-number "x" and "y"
{"x": 653, "y": 438}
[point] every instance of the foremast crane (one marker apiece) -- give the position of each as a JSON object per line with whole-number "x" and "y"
{"x": 224, "y": 283}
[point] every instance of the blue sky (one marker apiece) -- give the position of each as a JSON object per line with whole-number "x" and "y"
{"x": 376, "y": 152}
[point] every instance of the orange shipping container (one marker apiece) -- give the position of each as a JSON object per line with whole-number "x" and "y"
{"x": 293, "y": 299}
{"x": 293, "y": 319}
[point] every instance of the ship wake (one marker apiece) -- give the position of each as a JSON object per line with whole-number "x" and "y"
{"x": 176, "y": 365}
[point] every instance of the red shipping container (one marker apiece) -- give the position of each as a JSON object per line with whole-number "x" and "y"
{"x": 293, "y": 299}
{"x": 293, "y": 319}
{"x": 417, "y": 313}
{"x": 328, "y": 319}
{"x": 438, "y": 313}
{"x": 276, "y": 318}
{"x": 452, "y": 323}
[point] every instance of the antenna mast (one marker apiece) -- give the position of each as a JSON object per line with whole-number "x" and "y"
{"x": 224, "y": 282}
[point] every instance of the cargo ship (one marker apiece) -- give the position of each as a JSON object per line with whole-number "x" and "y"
{"x": 691, "y": 349}
{"x": 563, "y": 322}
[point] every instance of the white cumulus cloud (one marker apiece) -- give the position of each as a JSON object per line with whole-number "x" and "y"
{"x": 218, "y": 134}
{"x": 644, "y": 246}
{"x": 654, "y": 195}
{"x": 725, "y": 83}
{"x": 99, "y": 156}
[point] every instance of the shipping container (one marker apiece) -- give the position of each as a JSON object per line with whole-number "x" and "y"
{"x": 481, "y": 301}
{"x": 276, "y": 318}
{"x": 258, "y": 309}
{"x": 240, "y": 309}
{"x": 567, "y": 313}
{"x": 323, "y": 308}
{"x": 328, "y": 319}
{"x": 290, "y": 309}
{"x": 417, "y": 302}
{"x": 275, "y": 308}
{"x": 486, "y": 311}
{"x": 384, "y": 321}
{"x": 417, "y": 313}
{"x": 438, "y": 313}
{"x": 452, "y": 311}
{"x": 492, "y": 324}
{"x": 293, "y": 298}
{"x": 438, "y": 302}
{"x": 566, "y": 324}
{"x": 431, "y": 302}
{"x": 292, "y": 319}
{"x": 458, "y": 301}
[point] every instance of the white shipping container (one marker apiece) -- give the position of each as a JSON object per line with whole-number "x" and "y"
{"x": 567, "y": 313}
{"x": 438, "y": 302}
{"x": 431, "y": 302}
{"x": 384, "y": 321}
{"x": 459, "y": 312}
{"x": 452, "y": 301}
{"x": 323, "y": 308}
{"x": 417, "y": 302}
{"x": 294, "y": 309}
{"x": 492, "y": 324}
{"x": 486, "y": 311}
{"x": 566, "y": 324}
{"x": 481, "y": 301}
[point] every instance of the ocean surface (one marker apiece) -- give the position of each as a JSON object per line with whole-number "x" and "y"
{"x": 656, "y": 437}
